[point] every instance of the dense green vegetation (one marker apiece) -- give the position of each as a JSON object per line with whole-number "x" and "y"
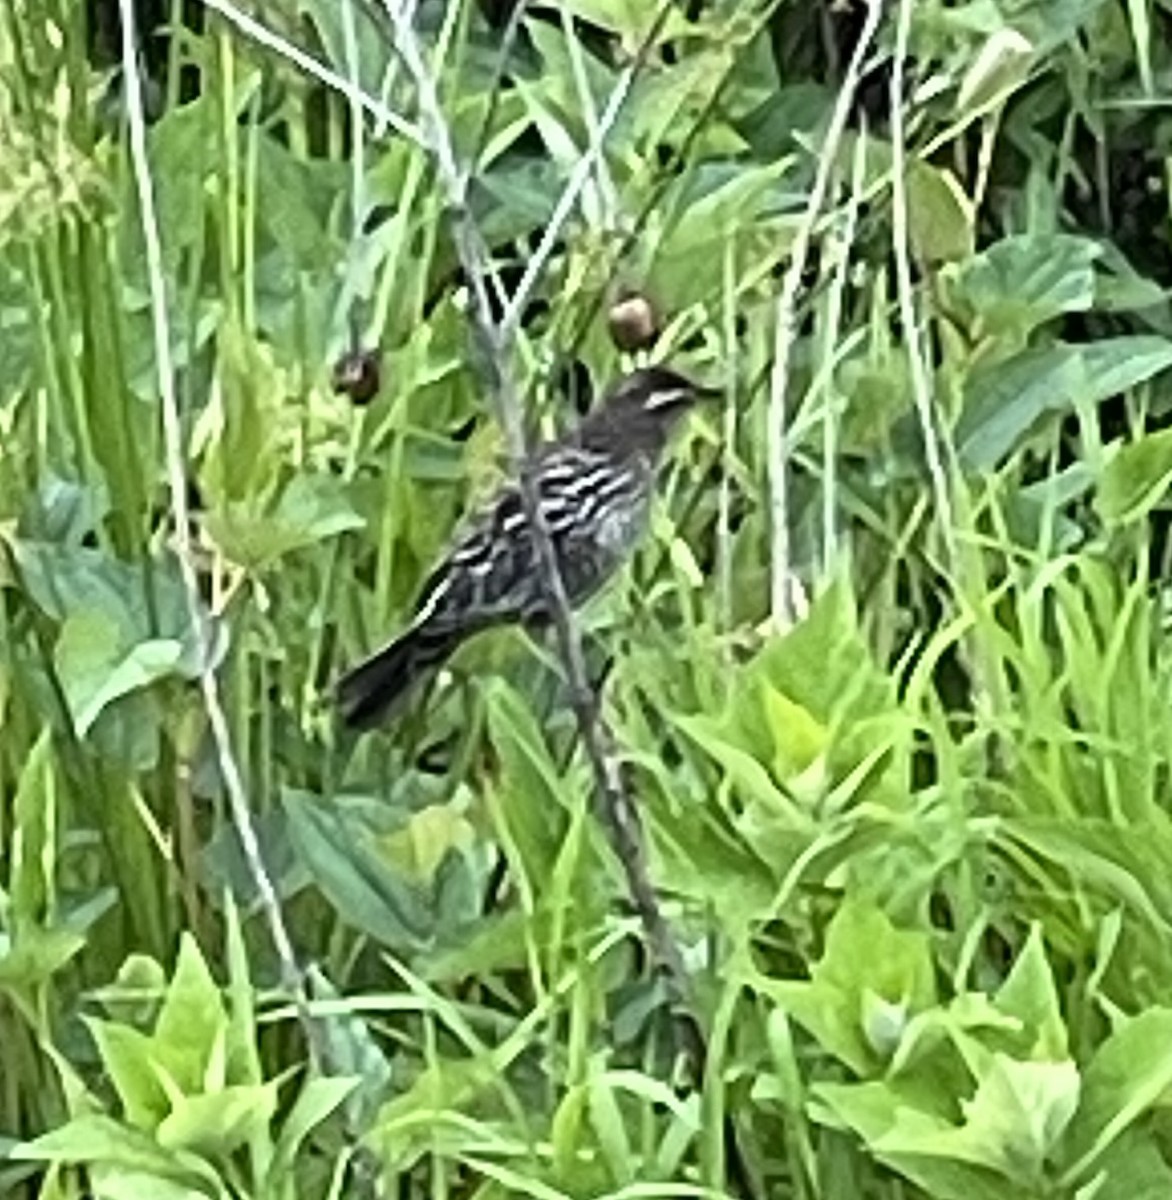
{"x": 890, "y": 680}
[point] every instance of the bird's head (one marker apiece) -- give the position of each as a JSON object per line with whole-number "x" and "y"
{"x": 641, "y": 410}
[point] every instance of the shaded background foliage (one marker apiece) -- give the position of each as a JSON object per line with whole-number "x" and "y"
{"x": 914, "y": 843}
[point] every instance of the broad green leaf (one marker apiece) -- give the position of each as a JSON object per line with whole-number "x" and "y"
{"x": 118, "y": 1183}
{"x": 371, "y": 43}
{"x": 183, "y": 147}
{"x": 236, "y": 433}
{"x": 130, "y": 1060}
{"x": 192, "y": 1021}
{"x": 711, "y": 858}
{"x": 559, "y": 141}
{"x": 1131, "y": 1168}
{"x": 496, "y": 944}
{"x": 315, "y": 1102}
{"x": 34, "y": 959}
{"x": 865, "y": 957}
{"x": 744, "y": 771}
{"x": 946, "y": 1045}
{"x": 1010, "y": 1126}
{"x": 1022, "y": 281}
{"x": 300, "y": 194}
{"x": 728, "y": 200}
{"x": 1000, "y": 68}
{"x": 1135, "y": 477}
{"x": 664, "y": 102}
{"x": 1029, "y": 994}
{"x": 226, "y": 866}
{"x": 1126, "y": 865}
{"x": 824, "y": 662}
{"x": 878, "y": 392}
{"x": 310, "y": 509}
{"x": 1130, "y": 1072}
{"x": 686, "y": 264}
{"x": 62, "y": 512}
{"x": 786, "y": 115}
{"x": 869, "y": 1109}
{"x": 339, "y": 841}
{"x": 940, "y": 215}
{"x": 1004, "y": 403}
{"x": 218, "y": 1123}
{"x": 420, "y": 847}
{"x": 350, "y": 1046}
{"x": 97, "y": 664}
{"x": 799, "y": 739}
{"x": 516, "y": 196}
{"x": 873, "y": 1110}
{"x": 100, "y": 1139}
{"x": 1044, "y": 26}
{"x": 146, "y": 600}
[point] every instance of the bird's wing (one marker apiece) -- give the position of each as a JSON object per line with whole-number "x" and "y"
{"x": 478, "y": 581}
{"x": 492, "y": 573}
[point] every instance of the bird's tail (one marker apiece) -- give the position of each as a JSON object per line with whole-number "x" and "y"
{"x": 367, "y": 693}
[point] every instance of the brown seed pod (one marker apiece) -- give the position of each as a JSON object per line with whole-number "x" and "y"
{"x": 358, "y": 373}
{"x": 632, "y": 320}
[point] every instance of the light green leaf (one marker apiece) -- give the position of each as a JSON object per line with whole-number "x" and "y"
{"x": 630, "y": 19}
{"x": 1135, "y": 477}
{"x": 747, "y": 774}
{"x": 315, "y": 1102}
{"x": 311, "y": 509}
{"x": 98, "y": 661}
{"x": 1000, "y": 67}
{"x": 532, "y": 791}
{"x": 1011, "y": 1124}
{"x": 219, "y": 1123}
{"x": 1029, "y": 994}
{"x": 128, "y": 1057}
{"x": 606, "y": 1119}
{"x": 192, "y": 1022}
{"x": 146, "y": 599}
{"x": 235, "y": 432}
{"x": 866, "y": 957}
{"x": 1006, "y": 401}
{"x": 100, "y": 1139}
{"x": 799, "y": 738}
{"x": 873, "y": 1110}
{"x": 1022, "y": 281}
{"x": 1131, "y": 1168}
{"x": 118, "y": 1183}
{"x": 34, "y": 815}
{"x": 1129, "y": 1073}
{"x": 940, "y": 214}
{"x": 35, "y": 959}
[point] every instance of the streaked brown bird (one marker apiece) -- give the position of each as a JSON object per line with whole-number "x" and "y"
{"x": 594, "y": 486}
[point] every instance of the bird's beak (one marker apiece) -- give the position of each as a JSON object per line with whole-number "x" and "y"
{"x": 704, "y": 392}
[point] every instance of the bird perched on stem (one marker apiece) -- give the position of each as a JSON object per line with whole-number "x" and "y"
{"x": 594, "y": 487}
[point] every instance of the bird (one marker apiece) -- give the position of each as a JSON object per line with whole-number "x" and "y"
{"x": 594, "y": 486}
